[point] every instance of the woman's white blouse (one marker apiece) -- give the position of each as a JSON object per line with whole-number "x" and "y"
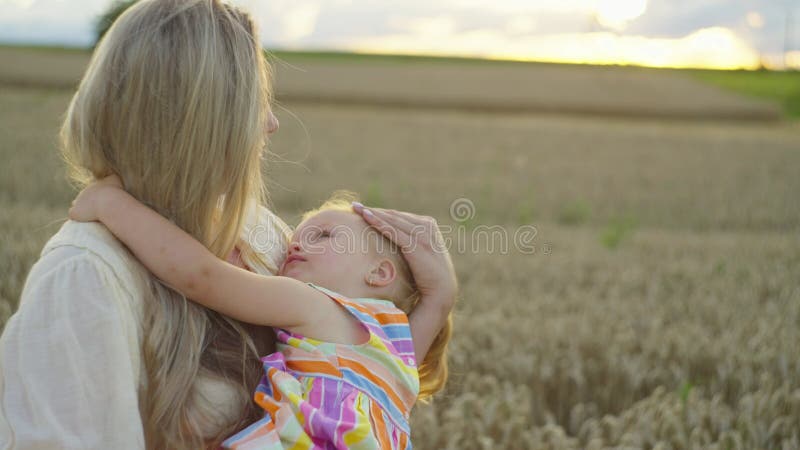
{"x": 70, "y": 362}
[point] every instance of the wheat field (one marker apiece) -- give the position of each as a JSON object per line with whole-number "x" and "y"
{"x": 659, "y": 308}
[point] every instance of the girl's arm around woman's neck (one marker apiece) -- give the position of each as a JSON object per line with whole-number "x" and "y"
{"x": 187, "y": 266}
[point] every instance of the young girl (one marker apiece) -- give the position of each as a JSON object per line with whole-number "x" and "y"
{"x": 345, "y": 374}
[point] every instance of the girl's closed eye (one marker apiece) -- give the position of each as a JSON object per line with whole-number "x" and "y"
{"x": 316, "y": 235}
{"x": 319, "y": 234}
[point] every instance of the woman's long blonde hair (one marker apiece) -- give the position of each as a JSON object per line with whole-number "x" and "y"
{"x": 433, "y": 369}
{"x": 175, "y": 101}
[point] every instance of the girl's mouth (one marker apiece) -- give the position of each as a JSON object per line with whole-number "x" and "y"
{"x": 293, "y": 258}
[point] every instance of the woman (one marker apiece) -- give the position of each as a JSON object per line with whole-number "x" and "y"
{"x": 100, "y": 354}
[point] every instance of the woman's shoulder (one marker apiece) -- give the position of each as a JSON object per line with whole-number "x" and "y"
{"x": 90, "y": 243}
{"x": 88, "y": 235}
{"x": 84, "y": 276}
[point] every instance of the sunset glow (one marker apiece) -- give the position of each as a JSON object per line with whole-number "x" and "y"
{"x": 616, "y": 14}
{"x": 657, "y": 33}
{"x": 715, "y": 48}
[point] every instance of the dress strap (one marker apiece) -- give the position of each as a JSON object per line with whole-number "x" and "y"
{"x": 384, "y": 367}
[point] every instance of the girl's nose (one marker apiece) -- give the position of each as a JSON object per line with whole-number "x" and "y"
{"x": 294, "y": 247}
{"x": 272, "y": 123}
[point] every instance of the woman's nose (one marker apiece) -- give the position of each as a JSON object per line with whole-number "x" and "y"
{"x": 294, "y": 247}
{"x": 272, "y": 123}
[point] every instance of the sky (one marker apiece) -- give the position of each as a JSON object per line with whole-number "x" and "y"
{"x": 724, "y": 34}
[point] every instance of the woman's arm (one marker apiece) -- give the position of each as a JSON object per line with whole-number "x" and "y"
{"x": 422, "y": 245}
{"x": 187, "y": 266}
{"x": 426, "y": 320}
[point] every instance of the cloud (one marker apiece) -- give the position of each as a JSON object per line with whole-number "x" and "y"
{"x": 450, "y": 25}
{"x": 50, "y": 21}
{"x": 300, "y": 21}
{"x": 287, "y": 22}
{"x": 675, "y": 18}
{"x": 616, "y": 14}
{"x": 429, "y": 27}
{"x": 22, "y": 4}
{"x": 710, "y": 47}
{"x": 521, "y": 25}
{"x": 523, "y": 6}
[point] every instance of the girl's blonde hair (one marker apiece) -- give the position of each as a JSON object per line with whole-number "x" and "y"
{"x": 175, "y": 101}
{"x": 433, "y": 370}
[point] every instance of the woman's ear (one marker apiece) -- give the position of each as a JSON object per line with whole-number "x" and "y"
{"x": 381, "y": 273}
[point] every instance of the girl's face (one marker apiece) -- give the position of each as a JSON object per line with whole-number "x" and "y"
{"x": 331, "y": 249}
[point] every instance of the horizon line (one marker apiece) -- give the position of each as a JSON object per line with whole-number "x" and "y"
{"x": 323, "y": 52}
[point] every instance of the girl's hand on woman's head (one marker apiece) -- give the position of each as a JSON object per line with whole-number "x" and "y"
{"x": 422, "y": 244}
{"x": 87, "y": 205}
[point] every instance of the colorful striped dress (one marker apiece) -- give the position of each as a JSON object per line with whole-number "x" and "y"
{"x": 322, "y": 395}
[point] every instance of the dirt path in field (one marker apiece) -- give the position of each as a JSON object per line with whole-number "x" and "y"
{"x": 480, "y": 87}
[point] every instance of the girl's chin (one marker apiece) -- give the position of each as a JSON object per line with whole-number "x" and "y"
{"x": 291, "y": 272}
